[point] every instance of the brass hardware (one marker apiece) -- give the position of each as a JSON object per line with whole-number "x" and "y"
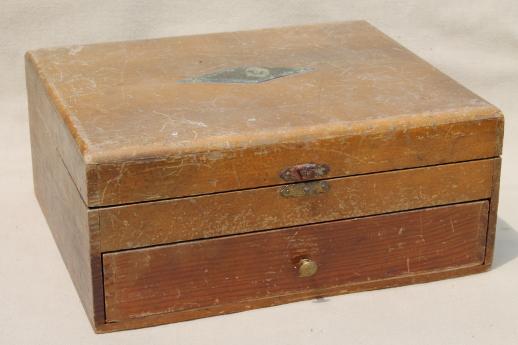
{"x": 307, "y": 268}
{"x": 304, "y": 189}
{"x": 303, "y": 172}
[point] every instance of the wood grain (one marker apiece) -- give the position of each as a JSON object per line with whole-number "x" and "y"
{"x": 395, "y": 147}
{"x": 144, "y": 224}
{"x": 493, "y": 213}
{"x": 41, "y": 98}
{"x": 234, "y": 269}
{"x": 191, "y": 314}
{"x": 369, "y": 105}
{"x": 74, "y": 227}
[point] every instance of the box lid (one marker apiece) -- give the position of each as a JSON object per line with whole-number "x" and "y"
{"x": 172, "y": 117}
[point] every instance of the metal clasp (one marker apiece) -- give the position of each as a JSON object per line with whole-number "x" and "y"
{"x": 304, "y": 189}
{"x": 303, "y": 172}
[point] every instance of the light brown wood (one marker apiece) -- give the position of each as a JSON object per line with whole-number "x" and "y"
{"x": 216, "y": 272}
{"x": 75, "y": 228}
{"x": 369, "y": 105}
{"x": 49, "y": 111}
{"x": 126, "y": 157}
{"x": 213, "y": 215}
{"x": 389, "y": 148}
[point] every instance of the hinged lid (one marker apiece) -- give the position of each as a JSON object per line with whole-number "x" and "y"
{"x": 172, "y": 117}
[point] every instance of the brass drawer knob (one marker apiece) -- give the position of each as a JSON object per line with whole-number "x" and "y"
{"x": 307, "y": 268}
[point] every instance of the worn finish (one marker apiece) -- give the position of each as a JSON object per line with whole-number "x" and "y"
{"x": 368, "y": 105}
{"x": 135, "y": 167}
{"x": 304, "y": 172}
{"x": 74, "y": 227}
{"x": 393, "y": 146}
{"x": 217, "y": 272}
{"x": 298, "y": 190}
{"x": 190, "y": 314}
{"x": 493, "y": 214}
{"x": 213, "y": 215}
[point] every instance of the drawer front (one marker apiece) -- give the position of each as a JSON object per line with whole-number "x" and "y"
{"x": 145, "y": 224}
{"x": 311, "y": 258}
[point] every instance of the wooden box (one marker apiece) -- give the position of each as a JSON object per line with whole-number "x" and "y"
{"x": 194, "y": 176}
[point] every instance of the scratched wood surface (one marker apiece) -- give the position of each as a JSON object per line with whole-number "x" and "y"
{"x": 368, "y": 105}
{"x": 74, "y": 227}
{"x": 213, "y": 215}
{"x": 190, "y": 314}
{"x": 125, "y": 157}
{"x": 241, "y": 268}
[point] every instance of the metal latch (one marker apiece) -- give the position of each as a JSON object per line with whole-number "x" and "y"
{"x": 304, "y": 189}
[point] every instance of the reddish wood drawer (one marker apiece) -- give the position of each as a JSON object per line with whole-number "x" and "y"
{"x": 228, "y": 270}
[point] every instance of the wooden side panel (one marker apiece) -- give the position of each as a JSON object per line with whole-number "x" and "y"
{"x": 74, "y": 227}
{"x": 395, "y": 145}
{"x": 42, "y": 99}
{"x": 493, "y": 213}
{"x": 241, "y": 269}
{"x": 138, "y": 225}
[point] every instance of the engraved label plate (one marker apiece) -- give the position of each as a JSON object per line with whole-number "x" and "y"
{"x": 246, "y": 75}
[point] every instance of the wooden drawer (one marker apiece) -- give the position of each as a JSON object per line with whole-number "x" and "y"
{"x": 214, "y": 273}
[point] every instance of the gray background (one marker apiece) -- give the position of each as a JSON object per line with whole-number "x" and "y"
{"x": 475, "y": 42}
